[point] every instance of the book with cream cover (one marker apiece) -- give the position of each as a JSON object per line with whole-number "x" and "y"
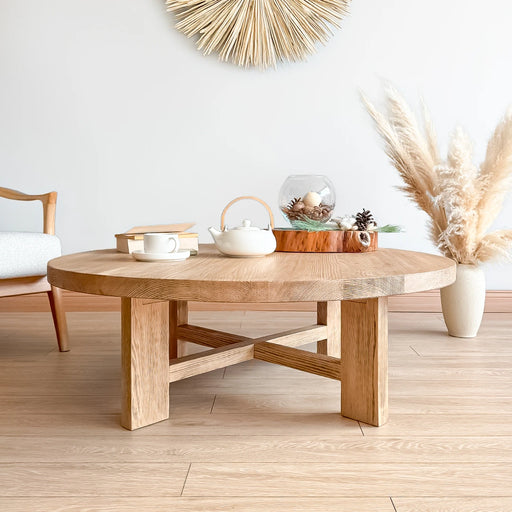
{"x": 133, "y": 239}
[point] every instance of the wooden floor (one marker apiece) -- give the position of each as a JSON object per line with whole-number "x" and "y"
{"x": 255, "y": 437}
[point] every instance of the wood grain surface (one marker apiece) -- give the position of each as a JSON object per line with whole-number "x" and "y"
{"x": 324, "y": 479}
{"x": 353, "y": 242}
{"x": 496, "y": 301}
{"x": 446, "y": 448}
{"x": 256, "y": 448}
{"x": 110, "y": 479}
{"x": 23, "y": 285}
{"x": 186, "y": 504}
{"x": 329, "y": 314}
{"x": 178, "y": 315}
{"x": 364, "y": 354}
{"x": 291, "y": 240}
{"x": 303, "y": 360}
{"x": 466, "y": 504}
{"x": 145, "y": 362}
{"x": 203, "y": 362}
{"x": 48, "y": 200}
{"x": 279, "y": 277}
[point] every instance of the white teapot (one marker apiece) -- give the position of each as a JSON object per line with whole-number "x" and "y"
{"x": 244, "y": 241}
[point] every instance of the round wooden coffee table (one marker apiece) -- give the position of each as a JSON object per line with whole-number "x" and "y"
{"x": 351, "y": 331}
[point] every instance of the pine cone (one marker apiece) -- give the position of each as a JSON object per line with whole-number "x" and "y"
{"x": 294, "y": 209}
{"x": 294, "y": 202}
{"x": 363, "y": 219}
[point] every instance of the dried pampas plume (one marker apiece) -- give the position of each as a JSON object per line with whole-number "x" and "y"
{"x": 258, "y": 32}
{"x": 461, "y": 199}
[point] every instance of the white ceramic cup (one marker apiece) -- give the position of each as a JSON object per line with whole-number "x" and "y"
{"x": 161, "y": 243}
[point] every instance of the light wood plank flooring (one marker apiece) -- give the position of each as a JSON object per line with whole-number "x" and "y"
{"x": 255, "y": 437}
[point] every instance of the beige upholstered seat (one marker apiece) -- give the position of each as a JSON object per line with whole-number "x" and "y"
{"x": 26, "y": 254}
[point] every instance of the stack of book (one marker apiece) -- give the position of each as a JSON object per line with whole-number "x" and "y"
{"x": 133, "y": 239}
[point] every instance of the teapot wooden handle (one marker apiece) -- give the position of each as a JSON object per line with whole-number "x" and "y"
{"x": 223, "y": 215}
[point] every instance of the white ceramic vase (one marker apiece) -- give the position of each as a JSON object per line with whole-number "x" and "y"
{"x": 463, "y": 302}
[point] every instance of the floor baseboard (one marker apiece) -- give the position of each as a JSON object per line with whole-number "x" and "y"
{"x": 497, "y": 301}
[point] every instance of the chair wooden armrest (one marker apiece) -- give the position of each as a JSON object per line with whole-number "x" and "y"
{"x": 49, "y": 201}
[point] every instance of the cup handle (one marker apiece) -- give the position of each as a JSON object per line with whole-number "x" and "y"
{"x": 174, "y": 242}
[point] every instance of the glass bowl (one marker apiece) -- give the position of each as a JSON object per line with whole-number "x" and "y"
{"x": 307, "y": 198}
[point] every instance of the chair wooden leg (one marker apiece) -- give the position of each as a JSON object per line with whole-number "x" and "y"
{"x": 59, "y": 318}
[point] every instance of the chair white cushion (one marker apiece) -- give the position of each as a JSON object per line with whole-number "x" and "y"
{"x": 26, "y": 254}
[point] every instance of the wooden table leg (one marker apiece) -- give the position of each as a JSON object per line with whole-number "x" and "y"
{"x": 145, "y": 362}
{"x": 178, "y": 315}
{"x": 364, "y": 359}
{"x": 329, "y": 313}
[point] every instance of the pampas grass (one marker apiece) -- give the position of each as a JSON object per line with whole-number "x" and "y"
{"x": 461, "y": 199}
{"x": 260, "y": 32}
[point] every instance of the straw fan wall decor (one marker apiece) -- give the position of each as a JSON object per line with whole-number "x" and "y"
{"x": 258, "y": 33}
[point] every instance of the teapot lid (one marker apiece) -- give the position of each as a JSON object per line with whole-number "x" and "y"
{"x": 246, "y": 226}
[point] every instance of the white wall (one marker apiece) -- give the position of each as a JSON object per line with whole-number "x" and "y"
{"x": 104, "y": 101}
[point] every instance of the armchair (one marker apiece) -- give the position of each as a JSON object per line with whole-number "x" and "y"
{"x": 23, "y": 260}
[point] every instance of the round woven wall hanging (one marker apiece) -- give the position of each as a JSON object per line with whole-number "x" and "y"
{"x": 258, "y": 33}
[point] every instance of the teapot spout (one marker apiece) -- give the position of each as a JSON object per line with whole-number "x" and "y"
{"x": 214, "y": 232}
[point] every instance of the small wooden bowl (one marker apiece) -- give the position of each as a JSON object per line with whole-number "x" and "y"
{"x": 292, "y": 240}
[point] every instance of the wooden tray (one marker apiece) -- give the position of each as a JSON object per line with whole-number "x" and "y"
{"x": 291, "y": 240}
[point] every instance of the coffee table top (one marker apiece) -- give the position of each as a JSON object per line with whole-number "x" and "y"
{"x": 279, "y": 277}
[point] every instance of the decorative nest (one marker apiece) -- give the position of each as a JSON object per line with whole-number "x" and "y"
{"x": 297, "y": 210}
